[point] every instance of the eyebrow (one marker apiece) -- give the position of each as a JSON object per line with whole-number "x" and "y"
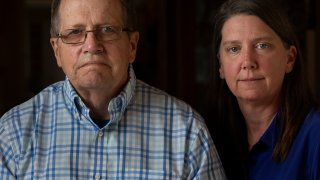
{"x": 79, "y": 25}
{"x": 75, "y": 26}
{"x": 263, "y": 38}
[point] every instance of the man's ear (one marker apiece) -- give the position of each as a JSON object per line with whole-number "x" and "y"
{"x": 54, "y": 45}
{"x": 134, "y": 39}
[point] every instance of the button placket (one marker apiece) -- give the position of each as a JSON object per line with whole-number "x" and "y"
{"x": 98, "y": 177}
{"x": 100, "y": 133}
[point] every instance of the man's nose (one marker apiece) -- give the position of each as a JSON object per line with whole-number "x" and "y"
{"x": 91, "y": 43}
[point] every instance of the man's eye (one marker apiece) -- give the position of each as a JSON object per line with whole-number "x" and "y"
{"x": 107, "y": 29}
{"x": 75, "y": 32}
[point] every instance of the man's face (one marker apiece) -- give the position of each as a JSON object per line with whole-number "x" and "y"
{"x": 94, "y": 65}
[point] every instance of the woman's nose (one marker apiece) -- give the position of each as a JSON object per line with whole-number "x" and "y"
{"x": 248, "y": 65}
{"x": 249, "y": 61}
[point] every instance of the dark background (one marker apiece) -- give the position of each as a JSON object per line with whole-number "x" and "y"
{"x": 174, "y": 48}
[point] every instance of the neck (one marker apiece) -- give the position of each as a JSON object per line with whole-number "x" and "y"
{"x": 256, "y": 128}
{"x": 97, "y": 102}
{"x": 258, "y": 118}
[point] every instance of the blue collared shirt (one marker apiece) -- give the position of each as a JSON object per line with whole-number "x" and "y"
{"x": 303, "y": 160}
{"x": 150, "y": 135}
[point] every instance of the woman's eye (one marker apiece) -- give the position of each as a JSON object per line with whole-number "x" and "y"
{"x": 262, "y": 46}
{"x": 233, "y": 49}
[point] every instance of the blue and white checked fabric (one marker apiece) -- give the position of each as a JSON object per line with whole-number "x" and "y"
{"x": 151, "y": 135}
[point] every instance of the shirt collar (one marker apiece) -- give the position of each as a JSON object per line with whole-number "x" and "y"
{"x": 271, "y": 136}
{"x": 118, "y": 104}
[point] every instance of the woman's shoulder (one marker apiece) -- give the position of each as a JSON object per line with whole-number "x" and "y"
{"x": 313, "y": 118}
{"x": 311, "y": 130}
{"x": 311, "y": 125}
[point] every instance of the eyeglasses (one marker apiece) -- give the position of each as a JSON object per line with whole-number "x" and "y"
{"x": 102, "y": 33}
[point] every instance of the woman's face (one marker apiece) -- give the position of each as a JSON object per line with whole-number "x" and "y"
{"x": 253, "y": 59}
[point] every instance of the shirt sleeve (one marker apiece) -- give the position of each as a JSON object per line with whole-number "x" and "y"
{"x": 7, "y": 163}
{"x": 204, "y": 159}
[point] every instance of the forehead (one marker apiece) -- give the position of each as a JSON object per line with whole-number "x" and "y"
{"x": 91, "y": 12}
{"x": 246, "y": 26}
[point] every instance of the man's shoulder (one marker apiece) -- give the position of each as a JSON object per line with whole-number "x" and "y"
{"x": 157, "y": 95}
{"x": 143, "y": 87}
{"x": 42, "y": 99}
{"x": 161, "y": 99}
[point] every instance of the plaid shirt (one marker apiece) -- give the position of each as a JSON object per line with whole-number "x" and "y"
{"x": 151, "y": 135}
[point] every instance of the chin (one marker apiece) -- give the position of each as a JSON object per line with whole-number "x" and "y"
{"x": 249, "y": 97}
{"x": 93, "y": 82}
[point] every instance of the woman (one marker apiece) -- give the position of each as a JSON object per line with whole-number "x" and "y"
{"x": 268, "y": 122}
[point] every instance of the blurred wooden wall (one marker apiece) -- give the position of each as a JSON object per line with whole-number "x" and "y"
{"x": 13, "y": 54}
{"x": 173, "y": 53}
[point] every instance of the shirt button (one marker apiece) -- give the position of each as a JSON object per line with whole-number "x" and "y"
{"x": 98, "y": 176}
{"x": 100, "y": 133}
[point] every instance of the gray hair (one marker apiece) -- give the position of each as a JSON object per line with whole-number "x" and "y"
{"x": 129, "y": 18}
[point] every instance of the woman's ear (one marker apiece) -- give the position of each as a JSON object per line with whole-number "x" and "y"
{"x": 291, "y": 58}
{"x": 221, "y": 71}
